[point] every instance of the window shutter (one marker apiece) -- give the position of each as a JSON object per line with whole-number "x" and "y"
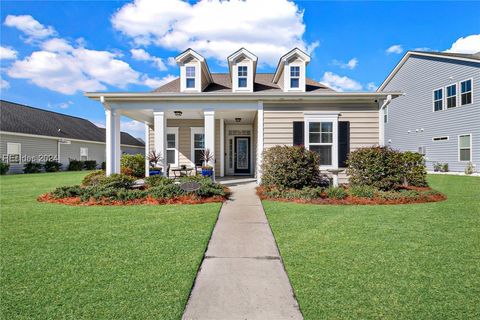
{"x": 298, "y": 133}
{"x": 343, "y": 143}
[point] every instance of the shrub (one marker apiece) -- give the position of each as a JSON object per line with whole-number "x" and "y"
{"x": 125, "y": 194}
{"x": 4, "y": 168}
{"x": 290, "y": 167}
{"x": 90, "y": 164}
{"x": 166, "y": 191}
{"x": 94, "y": 178}
{"x": 379, "y": 167}
{"x": 117, "y": 181}
{"x": 157, "y": 180}
{"x": 415, "y": 172}
{"x": 133, "y": 165}
{"x": 104, "y": 166}
{"x": 444, "y": 167}
{"x": 99, "y": 192}
{"x": 75, "y": 165}
{"x": 362, "y": 191}
{"x": 208, "y": 188}
{"x": 306, "y": 193}
{"x": 469, "y": 169}
{"x": 32, "y": 167}
{"x": 67, "y": 191}
{"x": 52, "y": 166}
{"x": 336, "y": 193}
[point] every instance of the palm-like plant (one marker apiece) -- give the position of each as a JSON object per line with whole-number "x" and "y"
{"x": 154, "y": 158}
{"x": 207, "y": 156}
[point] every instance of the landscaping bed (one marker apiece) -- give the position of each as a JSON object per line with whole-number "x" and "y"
{"x": 121, "y": 189}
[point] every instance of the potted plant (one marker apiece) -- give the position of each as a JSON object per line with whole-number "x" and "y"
{"x": 153, "y": 159}
{"x": 207, "y": 170}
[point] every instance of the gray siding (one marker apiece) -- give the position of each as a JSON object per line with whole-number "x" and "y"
{"x": 417, "y": 78}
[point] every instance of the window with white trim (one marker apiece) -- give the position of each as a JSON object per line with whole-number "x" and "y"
{"x": 172, "y": 147}
{"x": 242, "y": 76}
{"x": 198, "y": 145}
{"x": 465, "y": 147}
{"x": 465, "y": 92}
{"x": 321, "y": 137}
{"x": 452, "y": 96}
{"x": 13, "y": 152}
{"x": 438, "y": 100}
{"x": 83, "y": 154}
{"x": 294, "y": 77}
{"x": 190, "y": 77}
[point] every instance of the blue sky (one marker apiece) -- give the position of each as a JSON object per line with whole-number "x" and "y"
{"x": 53, "y": 51}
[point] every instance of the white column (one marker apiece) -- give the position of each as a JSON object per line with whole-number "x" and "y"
{"x": 147, "y": 149}
{"x": 160, "y": 123}
{"x": 210, "y": 135}
{"x": 112, "y": 123}
{"x": 222, "y": 147}
{"x": 259, "y": 141}
{"x": 381, "y": 124}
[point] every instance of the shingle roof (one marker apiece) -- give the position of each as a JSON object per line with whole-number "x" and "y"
{"x": 20, "y": 118}
{"x": 223, "y": 83}
{"x": 475, "y": 56}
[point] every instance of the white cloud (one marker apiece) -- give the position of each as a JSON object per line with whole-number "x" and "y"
{"x": 171, "y": 61}
{"x": 216, "y": 29}
{"x": 423, "y": 49}
{"x": 4, "y": 84}
{"x": 142, "y": 55}
{"x": 7, "y": 53}
{"x": 29, "y": 26}
{"x": 397, "y": 49}
{"x": 469, "y": 44}
{"x": 351, "y": 64}
{"x": 156, "y": 82}
{"x": 371, "y": 86}
{"x": 340, "y": 83}
{"x": 57, "y": 45}
{"x": 134, "y": 127}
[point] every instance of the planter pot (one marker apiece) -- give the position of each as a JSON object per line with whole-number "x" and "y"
{"x": 207, "y": 172}
{"x": 155, "y": 172}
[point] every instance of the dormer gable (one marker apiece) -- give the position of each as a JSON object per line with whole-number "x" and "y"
{"x": 291, "y": 71}
{"x": 194, "y": 73}
{"x": 242, "y": 65}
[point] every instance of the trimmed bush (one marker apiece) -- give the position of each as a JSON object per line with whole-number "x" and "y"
{"x": 4, "y": 167}
{"x": 75, "y": 165}
{"x": 415, "y": 171}
{"x": 157, "y": 180}
{"x": 32, "y": 167}
{"x": 90, "y": 164}
{"x": 336, "y": 193}
{"x": 306, "y": 193}
{"x": 379, "y": 167}
{"x": 469, "y": 169}
{"x": 133, "y": 165}
{"x": 362, "y": 191}
{"x": 52, "y": 166}
{"x": 67, "y": 191}
{"x": 117, "y": 181}
{"x": 208, "y": 188}
{"x": 104, "y": 166}
{"x": 126, "y": 195}
{"x": 94, "y": 178}
{"x": 290, "y": 167}
{"x": 166, "y": 191}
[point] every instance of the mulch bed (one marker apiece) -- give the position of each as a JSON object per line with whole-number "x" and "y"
{"x": 351, "y": 200}
{"x": 75, "y": 201}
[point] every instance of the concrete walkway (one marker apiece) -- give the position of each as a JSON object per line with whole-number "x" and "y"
{"x": 242, "y": 275}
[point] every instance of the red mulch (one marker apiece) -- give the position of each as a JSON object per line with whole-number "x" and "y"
{"x": 350, "y": 200}
{"x": 75, "y": 201}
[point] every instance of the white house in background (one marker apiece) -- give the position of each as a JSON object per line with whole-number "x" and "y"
{"x": 239, "y": 114}
{"x": 439, "y": 115}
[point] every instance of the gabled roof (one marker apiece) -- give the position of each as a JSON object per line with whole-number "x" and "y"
{"x": 242, "y": 51}
{"x": 445, "y": 55}
{"x": 222, "y": 82}
{"x": 192, "y": 53}
{"x": 281, "y": 62}
{"x": 19, "y": 118}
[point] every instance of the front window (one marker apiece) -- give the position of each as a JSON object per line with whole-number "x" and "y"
{"x": 465, "y": 147}
{"x": 294, "y": 77}
{"x": 242, "y": 76}
{"x": 438, "y": 100}
{"x": 13, "y": 152}
{"x": 83, "y": 154}
{"x": 321, "y": 140}
{"x": 466, "y": 92}
{"x": 452, "y": 96}
{"x": 172, "y": 146}
{"x": 190, "y": 76}
{"x": 198, "y": 148}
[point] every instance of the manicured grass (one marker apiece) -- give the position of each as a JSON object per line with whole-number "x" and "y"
{"x": 419, "y": 261}
{"x": 96, "y": 262}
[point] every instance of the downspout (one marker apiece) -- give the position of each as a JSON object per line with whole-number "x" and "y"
{"x": 381, "y": 123}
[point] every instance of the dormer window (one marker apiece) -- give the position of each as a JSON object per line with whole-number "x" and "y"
{"x": 294, "y": 77}
{"x": 190, "y": 77}
{"x": 242, "y": 76}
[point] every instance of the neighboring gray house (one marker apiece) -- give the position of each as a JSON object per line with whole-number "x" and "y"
{"x": 439, "y": 114}
{"x": 28, "y": 133}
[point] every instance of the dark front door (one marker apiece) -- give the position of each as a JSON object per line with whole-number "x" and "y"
{"x": 242, "y": 155}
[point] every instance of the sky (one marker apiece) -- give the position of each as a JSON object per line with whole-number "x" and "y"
{"x": 53, "y": 51}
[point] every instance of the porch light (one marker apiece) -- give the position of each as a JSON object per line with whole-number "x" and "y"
{"x": 238, "y": 119}
{"x": 177, "y": 113}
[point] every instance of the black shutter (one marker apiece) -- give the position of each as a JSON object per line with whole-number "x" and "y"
{"x": 343, "y": 143}
{"x": 298, "y": 133}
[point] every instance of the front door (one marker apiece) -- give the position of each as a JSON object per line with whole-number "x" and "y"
{"x": 242, "y": 155}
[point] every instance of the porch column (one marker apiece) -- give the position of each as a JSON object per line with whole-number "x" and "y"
{"x": 147, "y": 149}
{"x": 381, "y": 124}
{"x": 160, "y": 123}
{"x": 210, "y": 135}
{"x": 222, "y": 147}
{"x": 259, "y": 142}
{"x": 112, "y": 124}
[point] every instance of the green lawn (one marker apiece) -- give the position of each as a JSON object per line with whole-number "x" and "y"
{"x": 417, "y": 261}
{"x": 96, "y": 262}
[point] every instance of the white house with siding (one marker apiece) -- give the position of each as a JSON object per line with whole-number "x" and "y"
{"x": 239, "y": 114}
{"x": 439, "y": 115}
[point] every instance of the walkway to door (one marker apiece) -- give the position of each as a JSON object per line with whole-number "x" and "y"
{"x": 242, "y": 275}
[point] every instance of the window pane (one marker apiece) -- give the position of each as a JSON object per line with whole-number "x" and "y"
{"x": 170, "y": 140}
{"x": 452, "y": 90}
{"x": 190, "y": 82}
{"x": 198, "y": 141}
{"x": 314, "y": 137}
{"x": 190, "y": 72}
{"x": 451, "y": 102}
{"x": 294, "y": 83}
{"x": 438, "y": 94}
{"x": 170, "y": 156}
{"x": 314, "y": 126}
{"x": 242, "y": 82}
{"x": 438, "y": 105}
{"x": 242, "y": 71}
{"x": 465, "y": 155}
{"x": 198, "y": 157}
{"x": 464, "y": 141}
{"x": 327, "y": 127}
{"x": 327, "y": 137}
{"x": 325, "y": 153}
{"x": 466, "y": 98}
{"x": 466, "y": 86}
{"x": 294, "y": 71}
